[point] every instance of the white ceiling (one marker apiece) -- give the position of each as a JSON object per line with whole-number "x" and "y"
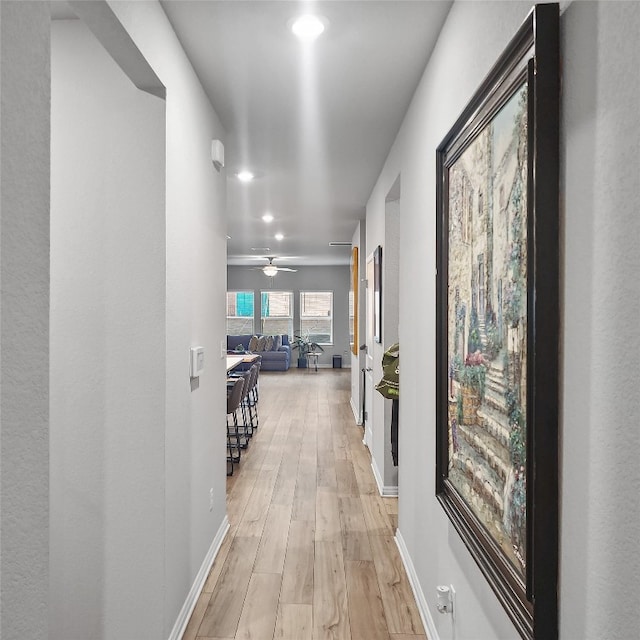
{"x": 314, "y": 123}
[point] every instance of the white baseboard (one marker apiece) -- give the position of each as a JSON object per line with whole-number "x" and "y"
{"x": 356, "y": 412}
{"x": 368, "y": 437}
{"x": 322, "y": 365}
{"x": 329, "y": 366}
{"x": 390, "y": 491}
{"x": 425, "y": 614}
{"x": 190, "y": 603}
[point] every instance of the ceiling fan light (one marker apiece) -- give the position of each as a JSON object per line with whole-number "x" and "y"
{"x": 270, "y": 270}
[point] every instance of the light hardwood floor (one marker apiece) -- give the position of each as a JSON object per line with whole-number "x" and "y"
{"x": 310, "y": 554}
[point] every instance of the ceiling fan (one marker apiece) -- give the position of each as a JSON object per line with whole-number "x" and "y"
{"x": 271, "y": 270}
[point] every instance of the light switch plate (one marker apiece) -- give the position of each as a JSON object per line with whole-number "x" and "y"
{"x": 197, "y": 361}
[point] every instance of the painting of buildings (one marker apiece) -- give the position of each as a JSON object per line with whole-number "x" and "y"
{"x": 487, "y": 326}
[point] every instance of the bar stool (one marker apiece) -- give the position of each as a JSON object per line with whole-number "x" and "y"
{"x": 234, "y": 399}
{"x": 247, "y": 418}
{"x": 251, "y": 398}
{"x": 255, "y": 387}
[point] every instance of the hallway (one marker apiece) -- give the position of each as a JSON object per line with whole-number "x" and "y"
{"x": 310, "y": 553}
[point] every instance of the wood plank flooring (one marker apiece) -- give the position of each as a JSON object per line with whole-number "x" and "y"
{"x": 310, "y": 554}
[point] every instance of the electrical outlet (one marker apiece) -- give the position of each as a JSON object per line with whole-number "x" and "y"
{"x": 445, "y": 598}
{"x": 211, "y": 499}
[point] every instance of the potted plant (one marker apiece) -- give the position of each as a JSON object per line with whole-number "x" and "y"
{"x": 304, "y": 346}
{"x": 472, "y": 377}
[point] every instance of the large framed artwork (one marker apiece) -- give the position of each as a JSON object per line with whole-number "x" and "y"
{"x": 497, "y": 326}
{"x": 353, "y": 302}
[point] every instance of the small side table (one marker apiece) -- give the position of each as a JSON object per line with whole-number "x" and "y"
{"x": 312, "y": 356}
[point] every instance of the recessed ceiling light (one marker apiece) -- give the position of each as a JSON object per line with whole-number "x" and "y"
{"x": 308, "y": 27}
{"x": 267, "y": 217}
{"x": 245, "y": 176}
{"x": 279, "y": 236}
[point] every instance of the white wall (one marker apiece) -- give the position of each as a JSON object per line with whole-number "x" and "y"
{"x": 318, "y": 278}
{"x": 358, "y": 361}
{"x": 390, "y": 333}
{"x": 107, "y": 345}
{"x": 24, "y": 319}
{"x": 389, "y": 225}
{"x": 383, "y": 228}
{"x": 195, "y": 286}
{"x": 599, "y": 408}
{"x": 188, "y": 454}
{"x": 600, "y": 563}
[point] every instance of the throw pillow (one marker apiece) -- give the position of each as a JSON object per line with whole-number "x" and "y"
{"x": 268, "y": 343}
{"x": 277, "y": 342}
{"x": 261, "y": 343}
{"x": 253, "y": 343}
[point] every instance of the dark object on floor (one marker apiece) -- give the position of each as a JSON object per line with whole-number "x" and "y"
{"x": 395, "y": 409}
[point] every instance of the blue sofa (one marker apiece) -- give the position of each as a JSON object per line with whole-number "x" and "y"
{"x": 279, "y": 360}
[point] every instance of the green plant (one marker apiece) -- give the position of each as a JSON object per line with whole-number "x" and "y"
{"x": 455, "y": 366}
{"x": 513, "y": 303}
{"x": 474, "y": 376}
{"x": 461, "y": 314}
{"x": 305, "y": 346}
{"x": 474, "y": 343}
{"x": 517, "y": 443}
{"x": 516, "y": 515}
{"x": 505, "y": 362}
{"x": 494, "y": 344}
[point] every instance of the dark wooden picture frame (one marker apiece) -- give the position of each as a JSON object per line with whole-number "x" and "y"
{"x": 377, "y": 294}
{"x": 497, "y": 325}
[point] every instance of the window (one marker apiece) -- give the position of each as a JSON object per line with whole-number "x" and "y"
{"x": 277, "y": 312}
{"x": 239, "y": 312}
{"x": 316, "y": 316}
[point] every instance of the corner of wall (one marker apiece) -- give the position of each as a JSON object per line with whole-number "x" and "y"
{"x": 24, "y": 310}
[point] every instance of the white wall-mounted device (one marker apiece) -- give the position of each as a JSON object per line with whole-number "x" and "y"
{"x": 197, "y": 361}
{"x": 217, "y": 154}
{"x": 445, "y": 598}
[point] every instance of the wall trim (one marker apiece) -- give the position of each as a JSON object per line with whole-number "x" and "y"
{"x": 192, "y": 598}
{"x": 368, "y": 436}
{"x": 425, "y": 614}
{"x": 386, "y": 491}
{"x": 324, "y": 365}
{"x": 356, "y": 412}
